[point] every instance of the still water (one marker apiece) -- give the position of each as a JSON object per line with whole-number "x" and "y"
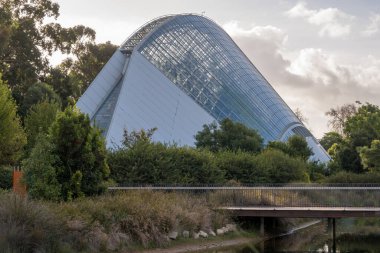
{"x": 313, "y": 239}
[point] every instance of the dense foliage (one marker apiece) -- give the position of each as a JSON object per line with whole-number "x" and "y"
{"x": 140, "y": 161}
{"x": 29, "y": 36}
{"x": 12, "y": 136}
{"x": 80, "y": 149}
{"x": 295, "y": 146}
{"x": 68, "y": 159}
{"x": 229, "y": 136}
{"x": 353, "y": 151}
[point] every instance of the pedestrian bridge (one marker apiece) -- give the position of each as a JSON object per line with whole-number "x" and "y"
{"x": 286, "y": 201}
{"x": 291, "y": 200}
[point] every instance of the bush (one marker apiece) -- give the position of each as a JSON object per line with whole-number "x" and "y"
{"x": 229, "y": 136}
{"x": 155, "y": 163}
{"x": 279, "y": 167}
{"x": 6, "y": 177}
{"x": 349, "y": 177}
{"x": 240, "y": 166}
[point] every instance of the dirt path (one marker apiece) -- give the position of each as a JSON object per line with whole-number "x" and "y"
{"x": 205, "y": 245}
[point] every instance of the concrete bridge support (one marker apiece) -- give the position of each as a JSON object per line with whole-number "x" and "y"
{"x": 262, "y": 226}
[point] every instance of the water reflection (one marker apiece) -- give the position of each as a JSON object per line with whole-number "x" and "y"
{"x": 314, "y": 239}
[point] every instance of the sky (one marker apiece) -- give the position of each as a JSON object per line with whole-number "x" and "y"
{"x": 316, "y": 54}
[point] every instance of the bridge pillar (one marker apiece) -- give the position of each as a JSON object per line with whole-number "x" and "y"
{"x": 334, "y": 235}
{"x": 262, "y": 226}
{"x": 329, "y": 225}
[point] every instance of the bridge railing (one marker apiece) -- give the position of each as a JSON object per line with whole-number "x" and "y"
{"x": 293, "y": 195}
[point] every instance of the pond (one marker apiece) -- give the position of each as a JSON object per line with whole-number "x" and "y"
{"x": 312, "y": 239}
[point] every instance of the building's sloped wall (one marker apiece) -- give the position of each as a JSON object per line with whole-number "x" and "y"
{"x": 102, "y": 85}
{"x": 201, "y": 59}
{"x": 148, "y": 99}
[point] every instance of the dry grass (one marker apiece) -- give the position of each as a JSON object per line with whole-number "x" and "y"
{"x": 108, "y": 223}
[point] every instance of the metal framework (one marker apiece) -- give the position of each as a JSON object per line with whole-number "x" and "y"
{"x": 331, "y": 196}
{"x": 128, "y": 45}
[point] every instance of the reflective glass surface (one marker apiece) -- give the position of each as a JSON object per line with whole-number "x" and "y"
{"x": 201, "y": 59}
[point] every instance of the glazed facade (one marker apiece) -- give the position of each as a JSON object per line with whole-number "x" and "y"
{"x": 201, "y": 63}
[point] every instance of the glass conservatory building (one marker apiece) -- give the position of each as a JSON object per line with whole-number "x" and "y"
{"x": 180, "y": 72}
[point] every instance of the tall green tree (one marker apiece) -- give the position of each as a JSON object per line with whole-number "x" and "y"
{"x": 363, "y": 126}
{"x": 329, "y": 139}
{"x": 370, "y": 156}
{"x": 28, "y": 38}
{"x": 12, "y": 135}
{"x": 81, "y": 152}
{"x": 88, "y": 61}
{"x": 39, "y": 172}
{"x": 38, "y": 120}
{"x": 295, "y": 146}
{"x": 37, "y": 93}
{"x": 229, "y": 136}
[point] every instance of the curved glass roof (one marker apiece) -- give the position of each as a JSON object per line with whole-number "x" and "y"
{"x": 200, "y": 58}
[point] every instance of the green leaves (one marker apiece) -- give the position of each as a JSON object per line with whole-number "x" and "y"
{"x": 370, "y": 156}
{"x": 230, "y": 136}
{"x": 12, "y": 136}
{"x": 296, "y": 146}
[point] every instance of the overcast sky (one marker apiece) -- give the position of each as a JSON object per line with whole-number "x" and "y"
{"x": 316, "y": 54}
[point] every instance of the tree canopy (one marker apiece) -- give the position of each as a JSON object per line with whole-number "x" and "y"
{"x": 295, "y": 146}
{"x": 81, "y": 152}
{"x": 229, "y": 136}
{"x": 12, "y": 136}
{"x": 28, "y": 39}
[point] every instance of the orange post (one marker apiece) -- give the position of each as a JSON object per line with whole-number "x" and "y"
{"x": 18, "y": 186}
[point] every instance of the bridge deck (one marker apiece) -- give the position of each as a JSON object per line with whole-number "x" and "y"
{"x": 305, "y": 212}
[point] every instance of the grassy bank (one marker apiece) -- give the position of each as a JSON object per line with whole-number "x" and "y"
{"x": 109, "y": 223}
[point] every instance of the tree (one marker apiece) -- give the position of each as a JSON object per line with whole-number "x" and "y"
{"x": 280, "y": 167}
{"x": 339, "y": 116}
{"x": 12, "y": 136}
{"x": 230, "y": 136}
{"x": 140, "y": 161}
{"x": 301, "y": 116}
{"x": 298, "y": 147}
{"x": 364, "y": 126}
{"x": 39, "y": 173}
{"x": 89, "y": 61}
{"x": 329, "y": 139}
{"x": 240, "y": 167}
{"x": 81, "y": 152}
{"x": 28, "y": 38}
{"x": 295, "y": 146}
{"x": 38, "y": 93}
{"x": 67, "y": 86}
{"x": 39, "y": 119}
{"x": 370, "y": 156}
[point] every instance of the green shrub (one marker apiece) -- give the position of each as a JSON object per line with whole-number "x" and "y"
{"x": 279, "y": 167}
{"x": 155, "y": 163}
{"x": 6, "y": 177}
{"x": 350, "y": 177}
{"x": 240, "y": 166}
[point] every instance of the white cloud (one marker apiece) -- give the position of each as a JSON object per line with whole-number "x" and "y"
{"x": 267, "y": 33}
{"x": 325, "y": 70}
{"x": 331, "y": 21}
{"x": 312, "y": 79}
{"x": 374, "y": 25}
